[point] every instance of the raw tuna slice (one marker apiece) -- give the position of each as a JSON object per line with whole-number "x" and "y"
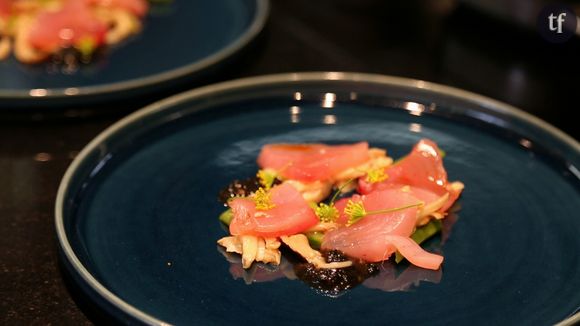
{"x": 136, "y": 7}
{"x": 5, "y": 8}
{"x": 291, "y": 214}
{"x": 312, "y": 162}
{"x": 376, "y": 237}
{"x": 422, "y": 170}
{"x": 72, "y": 24}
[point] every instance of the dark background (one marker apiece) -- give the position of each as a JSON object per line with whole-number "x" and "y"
{"x": 492, "y": 49}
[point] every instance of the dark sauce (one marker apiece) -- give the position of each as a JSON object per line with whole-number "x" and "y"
{"x": 241, "y": 188}
{"x": 334, "y": 256}
{"x": 335, "y": 281}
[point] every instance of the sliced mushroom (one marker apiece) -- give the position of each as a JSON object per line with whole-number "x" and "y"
{"x": 232, "y": 244}
{"x": 253, "y": 248}
{"x": 456, "y": 185}
{"x": 123, "y": 24}
{"x": 323, "y": 227}
{"x": 377, "y": 159}
{"x": 430, "y": 211}
{"x": 299, "y": 244}
{"x": 313, "y": 191}
{"x": 434, "y": 206}
{"x": 249, "y": 250}
{"x": 5, "y": 46}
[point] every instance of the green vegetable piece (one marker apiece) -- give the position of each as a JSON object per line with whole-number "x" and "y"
{"x": 226, "y": 217}
{"x": 315, "y": 239}
{"x": 86, "y": 46}
{"x": 267, "y": 178}
{"x": 422, "y": 234}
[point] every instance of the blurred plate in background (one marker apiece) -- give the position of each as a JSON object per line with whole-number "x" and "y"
{"x": 180, "y": 40}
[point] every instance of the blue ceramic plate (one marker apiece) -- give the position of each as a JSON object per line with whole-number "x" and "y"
{"x": 180, "y": 40}
{"x": 137, "y": 211}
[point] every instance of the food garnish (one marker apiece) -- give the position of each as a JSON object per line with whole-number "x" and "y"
{"x": 69, "y": 31}
{"x": 263, "y": 200}
{"x": 327, "y": 212}
{"x": 376, "y": 175}
{"x": 356, "y": 211}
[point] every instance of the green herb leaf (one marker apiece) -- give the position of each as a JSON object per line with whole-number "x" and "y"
{"x": 226, "y": 217}
{"x": 315, "y": 239}
{"x": 326, "y": 213}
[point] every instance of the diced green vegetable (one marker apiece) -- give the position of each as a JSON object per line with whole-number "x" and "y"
{"x": 86, "y": 46}
{"x": 315, "y": 239}
{"x": 226, "y": 217}
{"x": 426, "y": 231}
{"x": 421, "y": 234}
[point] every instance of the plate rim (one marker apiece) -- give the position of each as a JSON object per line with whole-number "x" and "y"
{"x": 251, "y": 32}
{"x": 275, "y": 79}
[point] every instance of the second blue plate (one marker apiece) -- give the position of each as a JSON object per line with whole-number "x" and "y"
{"x": 180, "y": 40}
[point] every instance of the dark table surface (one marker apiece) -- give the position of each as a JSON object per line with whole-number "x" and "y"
{"x": 439, "y": 40}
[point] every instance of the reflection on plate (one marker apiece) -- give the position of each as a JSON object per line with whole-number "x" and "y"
{"x": 389, "y": 276}
{"x": 136, "y": 213}
{"x": 179, "y": 41}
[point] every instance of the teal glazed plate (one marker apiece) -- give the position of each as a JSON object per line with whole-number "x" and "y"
{"x": 137, "y": 211}
{"x": 181, "y": 41}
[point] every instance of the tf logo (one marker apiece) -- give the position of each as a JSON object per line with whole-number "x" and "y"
{"x": 557, "y": 23}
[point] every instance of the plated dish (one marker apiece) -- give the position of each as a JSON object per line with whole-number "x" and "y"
{"x": 69, "y": 32}
{"x": 381, "y": 210}
{"x": 136, "y": 212}
{"x": 176, "y": 42}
